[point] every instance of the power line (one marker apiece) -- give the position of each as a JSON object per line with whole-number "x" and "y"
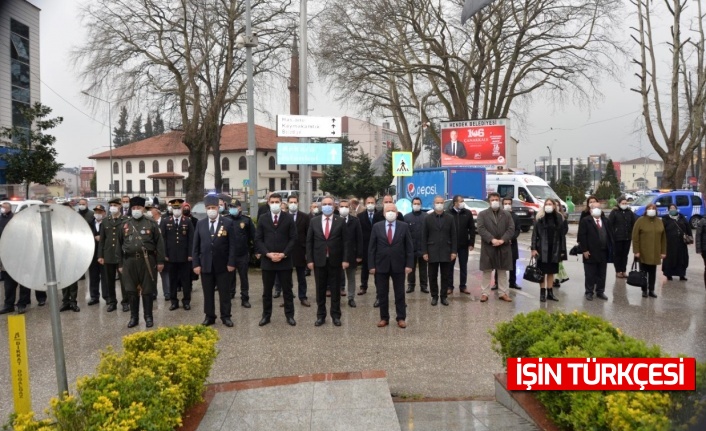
{"x": 67, "y": 102}
{"x": 551, "y": 129}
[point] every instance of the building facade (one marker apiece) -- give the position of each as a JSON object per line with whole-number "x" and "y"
{"x": 642, "y": 173}
{"x": 372, "y": 139}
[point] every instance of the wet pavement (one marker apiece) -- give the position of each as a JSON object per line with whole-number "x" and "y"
{"x": 444, "y": 352}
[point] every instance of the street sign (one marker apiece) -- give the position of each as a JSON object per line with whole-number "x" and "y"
{"x": 246, "y": 183}
{"x": 306, "y": 126}
{"x": 402, "y": 164}
{"x": 309, "y": 153}
{"x": 249, "y": 152}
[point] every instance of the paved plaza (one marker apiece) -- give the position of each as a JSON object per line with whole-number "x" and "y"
{"x": 445, "y": 352}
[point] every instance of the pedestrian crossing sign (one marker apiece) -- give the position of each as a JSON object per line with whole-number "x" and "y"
{"x": 402, "y": 164}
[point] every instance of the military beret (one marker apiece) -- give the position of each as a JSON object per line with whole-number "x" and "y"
{"x": 115, "y": 201}
{"x": 99, "y": 208}
{"x": 137, "y": 201}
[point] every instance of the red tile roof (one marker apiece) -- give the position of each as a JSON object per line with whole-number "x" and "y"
{"x": 234, "y": 137}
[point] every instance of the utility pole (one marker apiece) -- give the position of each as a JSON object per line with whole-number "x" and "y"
{"x": 305, "y": 186}
{"x": 249, "y": 43}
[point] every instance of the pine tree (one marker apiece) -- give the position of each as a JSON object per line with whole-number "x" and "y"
{"x": 609, "y": 186}
{"x": 149, "y": 130}
{"x": 383, "y": 181}
{"x": 363, "y": 179}
{"x": 157, "y": 124}
{"x": 136, "y": 129}
{"x": 121, "y": 136}
{"x": 337, "y": 179}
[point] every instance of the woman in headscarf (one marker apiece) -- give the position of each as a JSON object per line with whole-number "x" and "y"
{"x": 677, "y": 228}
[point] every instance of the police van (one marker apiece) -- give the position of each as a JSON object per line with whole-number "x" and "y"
{"x": 529, "y": 190}
{"x": 689, "y": 203}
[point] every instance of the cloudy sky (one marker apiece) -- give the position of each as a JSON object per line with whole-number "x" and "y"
{"x": 607, "y": 127}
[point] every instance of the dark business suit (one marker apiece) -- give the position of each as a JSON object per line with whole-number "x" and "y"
{"x": 439, "y": 240}
{"x": 214, "y": 254}
{"x": 357, "y": 251}
{"x": 276, "y": 239}
{"x": 460, "y": 150}
{"x": 299, "y": 251}
{"x": 178, "y": 245}
{"x": 512, "y": 279}
{"x": 327, "y": 253}
{"x": 95, "y": 270}
{"x": 366, "y": 226}
{"x": 389, "y": 259}
{"x": 599, "y": 243}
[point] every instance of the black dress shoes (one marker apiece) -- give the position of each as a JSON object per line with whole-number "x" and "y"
{"x": 133, "y": 322}
{"x": 589, "y": 296}
{"x": 434, "y": 301}
{"x": 291, "y": 321}
{"x": 65, "y": 307}
{"x": 410, "y": 289}
{"x": 42, "y": 302}
{"x": 425, "y": 290}
{"x": 652, "y": 295}
{"x": 111, "y": 307}
{"x": 494, "y": 287}
{"x": 277, "y": 294}
{"x": 337, "y": 322}
{"x": 245, "y": 303}
{"x": 226, "y": 321}
{"x": 7, "y": 310}
{"x": 264, "y": 321}
{"x": 75, "y": 308}
{"x": 208, "y": 322}
{"x": 683, "y": 279}
{"x": 174, "y": 306}
{"x": 93, "y": 301}
{"x": 602, "y": 296}
{"x": 126, "y": 307}
{"x": 187, "y": 306}
{"x": 319, "y": 322}
{"x": 21, "y": 309}
{"x": 351, "y": 303}
{"x": 514, "y": 286}
{"x": 644, "y": 294}
{"x": 377, "y": 303}
{"x": 444, "y": 301}
{"x": 149, "y": 322}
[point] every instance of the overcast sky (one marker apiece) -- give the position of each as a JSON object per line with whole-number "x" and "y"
{"x": 608, "y": 127}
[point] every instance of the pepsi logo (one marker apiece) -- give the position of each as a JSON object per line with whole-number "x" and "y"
{"x": 410, "y": 189}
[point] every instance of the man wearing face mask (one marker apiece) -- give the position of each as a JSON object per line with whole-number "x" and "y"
{"x": 439, "y": 245}
{"x": 244, "y": 241}
{"x": 84, "y": 211}
{"x": 595, "y": 240}
{"x": 355, "y": 242}
{"x": 301, "y": 221}
{"x": 178, "y": 234}
{"x": 327, "y": 254}
{"x": 11, "y": 285}
{"x": 314, "y": 209}
{"x": 496, "y": 229}
{"x": 354, "y": 206}
{"x": 367, "y": 219}
{"x": 622, "y": 220}
{"x": 108, "y": 255}
{"x": 415, "y": 220}
{"x": 153, "y": 213}
{"x": 512, "y": 279}
{"x": 141, "y": 259}
{"x": 466, "y": 231}
{"x": 125, "y": 204}
{"x": 95, "y": 269}
{"x": 391, "y": 256}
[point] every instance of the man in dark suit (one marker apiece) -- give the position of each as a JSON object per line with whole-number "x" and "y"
{"x": 391, "y": 256}
{"x": 95, "y": 270}
{"x": 301, "y": 221}
{"x": 178, "y": 234}
{"x": 367, "y": 219}
{"x": 466, "y": 231}
{"x": 245, "y": 240}
{"x": 274, "y": 242}
{"x": 595, "y": 238}
{"x": 455, "y": 148}
{"x": 327, "y": 252}
{"x": 439, "y": 245}
{"x": 213, "y": 258}
{"x": 108, "y": 254}
{"x": 512, "y": 279}
{"x": 355, "y": 242}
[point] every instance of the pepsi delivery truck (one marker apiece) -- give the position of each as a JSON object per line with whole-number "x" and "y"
{"x": 447, "y": 182}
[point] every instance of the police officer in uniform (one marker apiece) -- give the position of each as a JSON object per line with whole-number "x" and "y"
{"x": 245, "y": 238}
{"x": 178, "y": 234}
{"x": 142, "y": 257}
{"x": 109, "y": 256}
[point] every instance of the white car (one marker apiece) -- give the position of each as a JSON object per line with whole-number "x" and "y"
{"x": 18, "y": 206}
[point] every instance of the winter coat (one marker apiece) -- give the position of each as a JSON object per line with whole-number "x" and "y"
{"x": 540, "y": 238}
{"x": 415, "y": 220}
{"x": 589, "y": 240}
{"x": 649, "y": 239}
{"x": 465, "y": 227}
{"x": 700, "y": 236}
{"x": 439, "y": 239}
{"x": 621, "y": 223}
{"x": 495, "y": 225}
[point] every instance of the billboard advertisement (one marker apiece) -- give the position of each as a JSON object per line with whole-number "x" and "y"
{"x": 480, "y": 143}
{"x": 424, "y": 185}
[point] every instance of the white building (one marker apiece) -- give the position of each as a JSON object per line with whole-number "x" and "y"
{"x": 372, "y": 139}
{"x": 159, "y": 165}
{"x": 641, "y": 173}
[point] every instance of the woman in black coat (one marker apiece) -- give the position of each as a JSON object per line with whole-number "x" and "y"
{"x": 701, "y": 243}
{"x": 621, "y": 221}
{"x": 549, "y": 245}
{"x": 677, "y": 260}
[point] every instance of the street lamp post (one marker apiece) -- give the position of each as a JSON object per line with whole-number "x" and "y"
{"x": 249, "y": 41}
{"x": 550, "y": 164}
{"x": 110, "y": 143}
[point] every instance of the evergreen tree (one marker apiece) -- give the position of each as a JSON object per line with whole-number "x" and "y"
{"x": 383, "y": 181}
{"x": 582, "y": 177}
{"x": 136, "y": 129}
{"x": 363, "y": 179}
{"x": 157, "y": 124}
{"x": 121, "y": 136}
{"x": 337, "y": 179}
{"x": 149, "y": 130}
{"x": 609, "y": 186}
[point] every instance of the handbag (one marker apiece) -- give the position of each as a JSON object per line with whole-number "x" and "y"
{"x": 532, "y": 272}
{"x": 688, "y": 239}
{"x": 636, "y": 277}
{"x": 574, "y": 250}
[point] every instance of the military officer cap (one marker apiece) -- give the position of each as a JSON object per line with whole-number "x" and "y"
{"x": 176, "y": 203}
{"x": 137, "y": 201}
{"x": 234, "y": 203}
{"x": 99, "y": 208}
{"x": 115, "y": 201}
{"x": 148, "y": 205}
{"x": 210, "y": 200}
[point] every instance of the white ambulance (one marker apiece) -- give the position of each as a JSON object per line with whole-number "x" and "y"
{"x": 530, "y": 190}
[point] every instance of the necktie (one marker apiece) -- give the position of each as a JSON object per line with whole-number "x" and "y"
{"x": 389, "y": 233}
{"x": 275, "y": 219}
{"x": 370, "y": 217}
{"x": 327, "y": 231}
{"x": 598, "y": 223}
{"x": 454, "y": 148}
{"x": 213, "y": 227}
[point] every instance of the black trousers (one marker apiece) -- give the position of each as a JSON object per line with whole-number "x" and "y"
{"x": 595, "y": 274}
{"x": 462, "y": 259}
{"x": 620, "y": 255}
{"x": 382, "y": 283}
{"x": 241, "y": 266}
{"x": 651, "y": 275}
{"x": 11, "y": 292}
{"x": 364, "y": 272}
{"x": 420, "y": 263}
{"x": 328, "y": 275}
{"x": 69, "y": 294}
{"x": 211, "y": 282}
{"x": 301, "y": 282}
{"x": 180, "y": 274}
{"x": 108, "y": 285}
{"x": 268, "y": 282}
{"x": 95, "y": 272}
{"x": 446, "y": 269}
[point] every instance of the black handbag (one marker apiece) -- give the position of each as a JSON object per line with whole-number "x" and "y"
{"x": 532, "y": 272}
{"x": 574, "y": 250}
{"x": 636, "y": 277}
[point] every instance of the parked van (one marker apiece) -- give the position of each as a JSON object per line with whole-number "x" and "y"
{"x": 18, "y": 206}
{"x": 690, "y": 204}
{"x": 530, "y": 190}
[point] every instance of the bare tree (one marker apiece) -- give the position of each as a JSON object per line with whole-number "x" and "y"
{"x": 180, "y": 56}
{"x": 389, "y": 54}
{"x": 674, "y": 125}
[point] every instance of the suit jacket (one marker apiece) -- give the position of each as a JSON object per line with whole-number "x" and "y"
{"x": 95, "y": 233}
{"x": 178, "y": 239}
{"x": 391, "y": 258}
{"x": 589, "y": 240}
{"x": 337, "y": 243}
{"x": 299, "y": 251}
{"x": 439, "y": 238}
{"x": 214, "y": 254}
{"x": 355, "y": 238}
{"x": 366, "y": 227}
{"x": 460, "y": 149}
{"x": 275, "y": 239}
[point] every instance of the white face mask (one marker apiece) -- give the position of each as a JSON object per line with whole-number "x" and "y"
{"x": 114, "y": 210}
{"x": 549, "y": 209}
{"x": 390, "y": 216}
{"x": 149, "y": 215}
{"x": 176, "y": 213}
{"x": 3, "y": 210}
{"x": 462, "y": 205}
{"x": 98, "y": 217}
{"x": 596, "y": 212}
{"x": 370, "y": 207}
{"x": 293, "y": 207}
{"x": 82, "y": 207}
{"x": 507, "y": 207}
{"x": 344, "y": 212}
{"x": 651, "y": 213}
{"x": 495, "y": 205}
{"x": 416, "y": 207}
{"x": 315, "y": 210}
{"x": 438, "y": 207}
{"x": 212, "y": 214}
{"x": 137, "y": 214}
{"x": 623, "y": 207}
{"x": 275, "y": 208}
{"x": 126, "y": 205}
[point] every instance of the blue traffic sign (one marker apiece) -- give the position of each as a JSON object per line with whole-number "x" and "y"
{"x": 309, "y": 153}
{"x": 246, "y": 183}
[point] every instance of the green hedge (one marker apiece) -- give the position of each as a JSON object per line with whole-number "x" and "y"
{"x": 579, "y": 335}
{"x": 147, "y": 387}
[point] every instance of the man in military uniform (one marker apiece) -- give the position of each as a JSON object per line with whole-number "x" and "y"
{"x": 109, "y": 256}
{"x": 245, "y": 237}
{"x": 178, "y": 234}
{"x": 141, "y": 258}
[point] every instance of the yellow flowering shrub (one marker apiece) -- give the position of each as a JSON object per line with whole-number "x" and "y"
{"x": 147, "y": 387}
